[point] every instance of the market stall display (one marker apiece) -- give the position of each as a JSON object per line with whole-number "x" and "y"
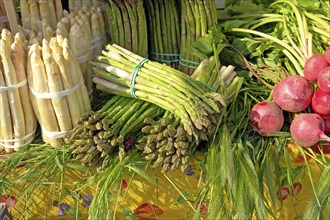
{"x": 237, "y": 126}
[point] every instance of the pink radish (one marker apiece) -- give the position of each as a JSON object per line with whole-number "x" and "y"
{"x": 323, "y": 79}
{"x": 327, "y": 54}
{"x": 321, "y": 103}
{"x": 293, "y": 93}
{"x": 308, "y": 129}
{"x": 266, "y": 117}
{"x": 327, "y": 125}
{"x": 314, "y": 65}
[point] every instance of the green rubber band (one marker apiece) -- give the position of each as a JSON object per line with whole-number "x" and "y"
{"x": 189, "y": 61}
{"x": 183, "y": 64}
{"x": 165, "y": 61}
{"x": 165, "y": 54}
{"x": 134, "y": 75}
{"x": 207, "y": 85}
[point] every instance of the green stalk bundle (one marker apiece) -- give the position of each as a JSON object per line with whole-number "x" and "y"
{"x": 197, "y": 17}
{"x": 165, "y": 142}
{"x": 109, "y": 130}
{"x": 127, "y": 24}
{"x": 168, "y": 88}
{"x": 164, "y": 31}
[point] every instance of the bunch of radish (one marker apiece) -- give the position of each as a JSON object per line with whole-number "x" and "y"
{"x": 308, "y": 97}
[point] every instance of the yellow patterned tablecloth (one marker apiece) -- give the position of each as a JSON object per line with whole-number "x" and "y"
{"x": 166, "y": 199}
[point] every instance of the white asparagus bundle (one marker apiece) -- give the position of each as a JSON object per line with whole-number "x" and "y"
{"x": 81, "y": 49}
{"x": 34, "y": 12}
{"x": 86, "y": 34}
{"x": 18, "y": 122}
{"x": 37, "y": 79}
{"x": 62, "y": 97}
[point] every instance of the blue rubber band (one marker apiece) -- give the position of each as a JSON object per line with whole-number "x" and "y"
{"x": 165, "y": 54}
{"x": 134, "y": 75}
{"x": 183, "y": 64}
{"x": 207, "y": 85}
{"x": 165, "y": 61}
{"x": 189, "y": 61}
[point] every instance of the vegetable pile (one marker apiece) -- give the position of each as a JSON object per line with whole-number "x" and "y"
{"x": 295, "y": 94}
{"x": 17, "y": 119}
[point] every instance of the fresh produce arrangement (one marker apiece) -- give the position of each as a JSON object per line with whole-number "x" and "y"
{"x": 234, "y": 100}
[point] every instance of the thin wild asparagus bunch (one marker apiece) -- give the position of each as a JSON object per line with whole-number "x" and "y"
{"x": 128, "y": 74}
{"x": 17, "y": 119}
{"x": 109, "y": 130}
{"x": 197, "y": 16}
{"x": 128, "y": 26}
{"x": 164, "y": 31}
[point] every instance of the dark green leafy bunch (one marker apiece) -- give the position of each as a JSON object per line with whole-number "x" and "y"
{"x": 127, "y": 25}
{"x": 197, "y": 17}
{"x": 278, "y": 39}
{"x": 163, "y": 20}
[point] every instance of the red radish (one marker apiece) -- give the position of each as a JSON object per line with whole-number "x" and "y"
{"x": 327, "y": 125}
{"x": 266, "y": 117}
{"x": 296, "y": 188}
{"x": 293, "y": 93}
{"x": 323, "y": 79}
{"x": 283, "y": 194}
{"x": 321, "y": 103}
{"x": 313, "y": 66}
{"x": 308, "y": 129}
{"x": 325, "y": 148}
{"x": 327, "y": 54}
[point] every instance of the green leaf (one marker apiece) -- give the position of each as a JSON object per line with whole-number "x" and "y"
{"x": 127, "y": 210}
{"x": 66, "y": 191}
{"x": 77, "y": 166}
{"x": 315, "y": 206}
{"x": 197, "y": 213}
{"x": 58, "y": 163}
{"x": 181, "y": 199}
{"x": 73, "y": 211}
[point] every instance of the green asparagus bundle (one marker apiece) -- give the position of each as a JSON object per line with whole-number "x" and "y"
{"x": 164, "y": 31}
{"x": 197, "y": 17}
{"x": 109, "y": 130}
{"x": 128, "y": 74}
{"x": 127, "y": 24}
{"x": 165, "y": 142}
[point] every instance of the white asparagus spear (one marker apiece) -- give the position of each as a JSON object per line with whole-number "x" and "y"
{"x": 18, "y": 56}
{"x": 6, "y": 125}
